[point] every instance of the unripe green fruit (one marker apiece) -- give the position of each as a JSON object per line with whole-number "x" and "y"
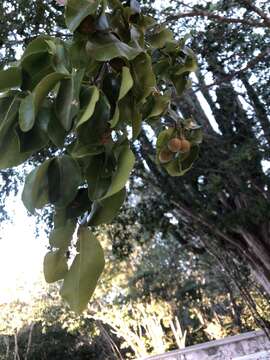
{"x": 175, "y": 145}
{"x": 165, "y": 156}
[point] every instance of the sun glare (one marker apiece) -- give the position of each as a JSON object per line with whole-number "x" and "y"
{"x": 21, "y": 254}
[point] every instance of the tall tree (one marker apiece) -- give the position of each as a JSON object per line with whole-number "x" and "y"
{"x": 225, "y": 196}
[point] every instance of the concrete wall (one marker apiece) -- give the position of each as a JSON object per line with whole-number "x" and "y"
{"x": 248, "y": 346}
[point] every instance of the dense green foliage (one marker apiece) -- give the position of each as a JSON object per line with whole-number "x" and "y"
{"x": 82, "y": 96}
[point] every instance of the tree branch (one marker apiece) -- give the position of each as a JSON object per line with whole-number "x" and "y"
{"x": 250, "y": 65}
{"x": 218, "y": 18}
{"x": 250, "y": 5}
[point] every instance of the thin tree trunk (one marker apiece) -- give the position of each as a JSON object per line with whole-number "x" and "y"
{"x": 29, "y": 343}
{"x": 16, "y": 348}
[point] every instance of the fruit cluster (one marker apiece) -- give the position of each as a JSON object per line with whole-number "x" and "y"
{"x": 178, "y": 146}
{"x": 174, "y": 146}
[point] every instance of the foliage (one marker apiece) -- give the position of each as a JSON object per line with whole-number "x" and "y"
{"x": 46, "y": 329}
{"x": 171, "y": 314}
{"x": 82, "y": 96}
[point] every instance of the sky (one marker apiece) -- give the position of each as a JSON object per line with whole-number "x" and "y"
{"x": 21, "y": 253}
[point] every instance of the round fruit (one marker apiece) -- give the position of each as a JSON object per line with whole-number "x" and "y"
{"x": 175, "y": 144}
{"x": 165, "y": 156}
{"x": 185, "y": 146}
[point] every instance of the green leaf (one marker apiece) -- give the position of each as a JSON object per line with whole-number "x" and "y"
{"x": 9, "y": 144}
{"x": 79, "y": 57}
{"x": 115, "y": 117}
{"x": 97, "y": 178}
{"x": 126, "y": 83}
{"x": 10, "y": 78}
{"x": 160, "y": 105}
{"x": 104, "y": 211}
{"x": 180, "y": 82}
{"x": 61, "y": 58}
{"x": 35, "y": 67}
{"x": 90, "y": 108}
{"x": 160, "y": 38}
{"x": 45, "y": 86}
{"x": 27, "y": 113}
{"x": 136, "y": 124}
{"x": 32, "y": 102}
{"x": 81, "y": 279}
{"x": 80, "y": 151}
{"x": 104, "y": 47}
{"x": 77, "y": 11}
{"x": 54, "y": 266}
{"x": 55, "y": 130}
{"x": 164, "y": 137}
{"x": 188, "y": 161}
{"x": 125, "y": 164}
{"x": 174, "y": 168}
{"x": 36, "y": 188}
{"x": 67, "y": 102}
{"x": 183, "y": 163}
{"x": 91, "y": 131}
{"x": 37, "y": 61}
{"x": 195, "y": 136}
{"x": 77, "y": 77}
{"x": 38, "y": 45}
{"x": 79, "y": 205}
{"x": 60, "y": 237}
{"x": 190, "y": 62}
{"x": 63, "y": 103}
{"x": 64, "y": 178}
{"x": 143, "y": 76}
{"x": 36, "y": 138}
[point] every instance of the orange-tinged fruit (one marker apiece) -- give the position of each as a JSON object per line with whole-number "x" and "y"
{"x": 165, "y": 156}
{"x": 185, "y": 146}
{"x": 175, "y": 145}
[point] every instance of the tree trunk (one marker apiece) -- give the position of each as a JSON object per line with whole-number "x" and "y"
{"x": 258, "y": 259}
{"x": 259, "y": 108}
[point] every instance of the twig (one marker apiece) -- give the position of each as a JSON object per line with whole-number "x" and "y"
{"x": 16, "y": 348}
{"x": 219, "y": 18}
{"x": 29, "y": 340}
{"x": 229, "y": 77}
{"x": 6, "y": 341}
{"x": 112, "y": 344}
{"x": 266, "y": 19}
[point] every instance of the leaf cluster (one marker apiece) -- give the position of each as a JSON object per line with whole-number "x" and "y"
{"x": 87, "y": 97}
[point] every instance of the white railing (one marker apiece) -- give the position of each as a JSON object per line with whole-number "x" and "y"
{"x": 249, "y": 346}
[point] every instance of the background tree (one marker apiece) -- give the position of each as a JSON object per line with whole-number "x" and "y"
{"x": 136, "y": 310}
{"x": 226, "y": 196}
